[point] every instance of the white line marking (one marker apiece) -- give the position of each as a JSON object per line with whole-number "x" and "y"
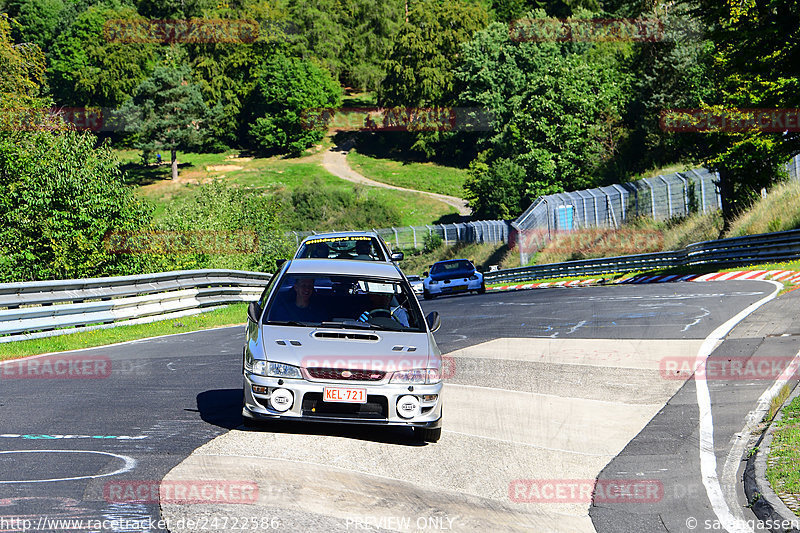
{"x": 576, "y": 326}
{"x": 130, "y": 464}
{"x": 697, "y": 319}
{"x": 708, "y": 460}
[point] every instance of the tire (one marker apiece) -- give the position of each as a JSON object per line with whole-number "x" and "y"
{"x": 427, "y": 295}
{"x": 482, "y": 290}
{"x": 428, "y": 434}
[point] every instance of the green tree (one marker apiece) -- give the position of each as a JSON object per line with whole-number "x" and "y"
{"x": 59, "y": 197}
{"x": 288, "y": 89}
{"x": 22, "y": 70}
{"x": 674, "y": 72}
{"x": 39, "y": 20}
{"x": 319, "y": 33}
{"x": 89, "y": 69}
{"x": 226, "y": 72}
{"x": 420, "y": 69}
{"x": 556, "y": 116}
{"x": 371, "y": 26}
{"x": 757, "y": 56}
{"x": 167, "y": 112}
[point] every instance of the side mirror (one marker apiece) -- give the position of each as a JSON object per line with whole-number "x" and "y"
{"x": 279, "y": 263}
{"x": 434, "y": 320}
{"x": 425, "y": 274}
{"x": 397, "y": 256}
{"x": 254, "y": 311}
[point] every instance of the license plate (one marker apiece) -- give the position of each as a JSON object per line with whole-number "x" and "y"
{"x": 345, "y": 395}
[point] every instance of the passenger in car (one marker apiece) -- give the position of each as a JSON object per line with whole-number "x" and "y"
{"x": 300, "y": 304}
{"x": 364, "y": 251}
{"x": 320, "y": 250}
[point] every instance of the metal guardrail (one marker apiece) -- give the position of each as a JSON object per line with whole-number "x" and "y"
{"x": 765, "y": 247}
{"x": 49, "y": 308}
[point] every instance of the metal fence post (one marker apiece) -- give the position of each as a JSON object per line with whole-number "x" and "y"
{"x": 652, "y": 197}
{"x": 702, "y": 188}
{"x": 594, "y": 201}
{"x": 621, "y": 200}
{"x": 669, "y": 195}
{"x": 685, "y": 194}
{"x": 414, "y": 231}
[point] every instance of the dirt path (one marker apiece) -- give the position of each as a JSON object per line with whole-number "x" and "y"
{"x": 335, "y": 161}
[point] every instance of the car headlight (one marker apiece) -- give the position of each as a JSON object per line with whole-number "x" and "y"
{"x": 418, "y": 376}
{"x": 280, "y": 370}
{"x": 473, "y": 277}
{"x": 257, "y": 366}
{"x": 433, "y": 282}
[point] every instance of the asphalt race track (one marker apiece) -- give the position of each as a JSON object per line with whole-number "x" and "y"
{"x": 548, "y": 390}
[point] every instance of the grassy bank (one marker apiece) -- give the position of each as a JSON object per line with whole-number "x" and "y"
{"x": 784, "y": 455}
{"x": 226, "y": 316}
{"x": 275, "y": 175}
{"x": 428, "y": 177}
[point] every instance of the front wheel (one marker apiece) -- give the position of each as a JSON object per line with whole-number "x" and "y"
{"x": 482, "y": 290}
{"x": 428, "y": 434}
{"x": 427, "y": 295}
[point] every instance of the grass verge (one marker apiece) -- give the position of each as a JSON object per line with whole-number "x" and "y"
{"x": 226, "y": 316}
{"x": 428, "y": 177}
{"x": 273, "y": 174}
{"x": 784, "y": 452}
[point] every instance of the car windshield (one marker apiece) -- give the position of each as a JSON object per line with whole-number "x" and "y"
{"x": 362, "y": 248}
{"x": 452, "y": 266}
{"x": 345, "y": 302}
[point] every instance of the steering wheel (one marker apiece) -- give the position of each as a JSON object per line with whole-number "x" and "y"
{"x": 365, "y": 316}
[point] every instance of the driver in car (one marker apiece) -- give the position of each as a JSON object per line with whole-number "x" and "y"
{"x": 382, "y": 301}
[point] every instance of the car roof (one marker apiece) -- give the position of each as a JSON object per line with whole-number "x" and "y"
{"x": 341, "y": 235}
{"x": 339, "y": 267}
{"x": 451, "y": 261}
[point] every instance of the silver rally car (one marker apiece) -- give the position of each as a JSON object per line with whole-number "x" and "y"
{"x": 343, "y": 342}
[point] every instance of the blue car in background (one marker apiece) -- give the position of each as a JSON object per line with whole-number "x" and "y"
{"x": 452, "y": 276}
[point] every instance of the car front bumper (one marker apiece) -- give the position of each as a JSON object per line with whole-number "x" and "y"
{"x": 454, "y": 286}
{"x": 307, "y": 405}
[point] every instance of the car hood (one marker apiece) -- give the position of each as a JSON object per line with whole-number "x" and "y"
{"x": 346, "y": 348}
{"x": 452, "y": 275}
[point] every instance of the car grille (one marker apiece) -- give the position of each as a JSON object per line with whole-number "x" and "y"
{"x": 354, "y": 375}
{"x": 376, "y": 408}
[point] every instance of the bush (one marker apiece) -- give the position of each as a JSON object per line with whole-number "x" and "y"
{"x": 242, "y": 227}
{"x": 59, "y": 196}
{"x": 329, "y": 207}
{"x": 431, "y": 242}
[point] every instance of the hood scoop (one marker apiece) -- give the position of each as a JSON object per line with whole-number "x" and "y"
{"x": 343, "y": 335}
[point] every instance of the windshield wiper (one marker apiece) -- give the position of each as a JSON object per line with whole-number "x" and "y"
{"x": 287, "y": 323}
{"x": 353, "y": 324}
